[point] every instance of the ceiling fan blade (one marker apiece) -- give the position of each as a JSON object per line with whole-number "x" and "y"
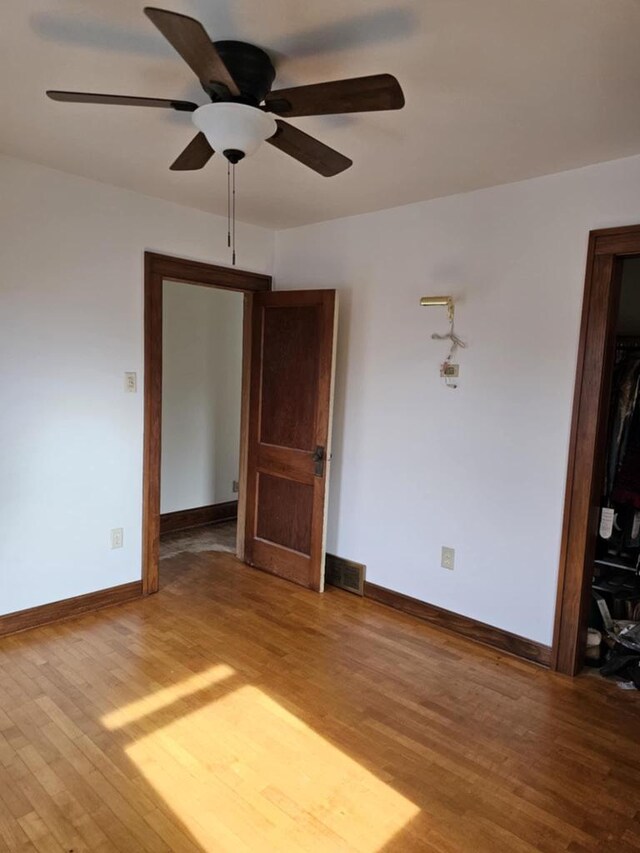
{"x": 190, "y": 39}
{"x": 359, "y": 94}
{"x": 120, "y": 100}
{"x": 196, "y": 155}
{"x": 309, "y": 150}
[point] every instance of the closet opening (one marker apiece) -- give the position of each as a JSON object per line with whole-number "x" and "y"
{"x": 598, "y": 609}
{"x": 613, "y": 636}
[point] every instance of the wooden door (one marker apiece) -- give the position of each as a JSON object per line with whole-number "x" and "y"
{"x": 289, "y": 433}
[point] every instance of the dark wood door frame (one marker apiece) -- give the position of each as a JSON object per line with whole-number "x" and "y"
{"x": 607, "y": 248}
{"x": 158, "y": 268}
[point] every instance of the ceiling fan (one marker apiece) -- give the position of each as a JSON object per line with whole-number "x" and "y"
{"x": 244, "y": 111}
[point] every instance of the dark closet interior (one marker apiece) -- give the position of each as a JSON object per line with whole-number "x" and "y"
{"x": 614, "y": 622}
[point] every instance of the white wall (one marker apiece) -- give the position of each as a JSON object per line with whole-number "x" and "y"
{"x": 201, "y": 395}
{"x": 482, "y": 468}
{"x": 416, "y": 466}
{"x": 71, "y": 313}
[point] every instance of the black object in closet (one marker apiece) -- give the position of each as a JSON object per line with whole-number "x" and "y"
{"x": 627, "y": 345}
{"x": 621, "y": 491}
{"x": 616, "y": 581}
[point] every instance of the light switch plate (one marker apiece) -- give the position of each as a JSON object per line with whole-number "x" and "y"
{"x": 448, "y": 558}
{"x": 116, "y": 537}
{"x": 130, "y": 382}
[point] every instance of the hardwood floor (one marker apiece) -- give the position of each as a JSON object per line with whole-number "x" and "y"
{"x": 209, "y": 537}
{"x": 260, "y": 716}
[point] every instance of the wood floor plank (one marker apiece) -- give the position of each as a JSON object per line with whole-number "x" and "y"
{"x": 233, "y": 711}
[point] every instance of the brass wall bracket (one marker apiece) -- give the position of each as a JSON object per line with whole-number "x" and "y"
{"x": 445, "y": 301}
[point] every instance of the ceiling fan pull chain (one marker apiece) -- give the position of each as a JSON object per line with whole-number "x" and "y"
{"x": 228, "y": 204}
{"x": 233, "y": 214}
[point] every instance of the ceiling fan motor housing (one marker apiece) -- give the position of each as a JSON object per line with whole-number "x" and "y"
{"x": 251, "y": 69}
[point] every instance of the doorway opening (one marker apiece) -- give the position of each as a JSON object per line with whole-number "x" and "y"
{"x": 201, "y": 408}
{"x": 195, "y": 402}
{"x": 600, "y": 556}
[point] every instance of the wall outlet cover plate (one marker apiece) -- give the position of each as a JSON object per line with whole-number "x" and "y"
{"x": 449, "y": 370}
{"x": 448, "y": 558}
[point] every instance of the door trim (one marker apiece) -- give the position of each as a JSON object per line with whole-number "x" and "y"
{"x": 157, "y": 268}
{"x": 607, "y": 247}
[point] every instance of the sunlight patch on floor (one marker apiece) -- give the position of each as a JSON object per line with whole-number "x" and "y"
{"x": 242, "y": 772}
{"x": 166, "y": 696}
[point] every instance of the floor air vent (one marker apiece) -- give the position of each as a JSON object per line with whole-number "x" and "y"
{"x": 345, "y": 573}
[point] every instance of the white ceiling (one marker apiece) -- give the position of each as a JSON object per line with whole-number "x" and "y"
{"x": 496, "y": 91}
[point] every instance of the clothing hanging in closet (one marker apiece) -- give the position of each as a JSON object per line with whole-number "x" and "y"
{"x": 625, "y": 422}
{"x": 622, "y": 476}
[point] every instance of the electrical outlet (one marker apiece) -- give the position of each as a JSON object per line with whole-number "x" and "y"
{"x": 130, "y": 382}
{"x": 116, "y": 537}
{"x": 447, "y": 560}
{"x": 449, "y": 371}
{"x": 236, "y": 486}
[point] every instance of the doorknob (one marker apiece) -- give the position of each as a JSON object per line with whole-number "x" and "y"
{"x": 319, "y": 458}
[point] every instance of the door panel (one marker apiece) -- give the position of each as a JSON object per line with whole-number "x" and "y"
{"x": 290, "y": 361}
{"x": 285, "y": 511}
{"x": 289, "y": 432}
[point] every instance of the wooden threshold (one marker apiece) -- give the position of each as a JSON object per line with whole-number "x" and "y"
{"x": 480, "y": 632}
{"x": 44, "y": 614}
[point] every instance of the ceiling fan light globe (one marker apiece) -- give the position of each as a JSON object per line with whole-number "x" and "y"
{"x": 234, "y": 127}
